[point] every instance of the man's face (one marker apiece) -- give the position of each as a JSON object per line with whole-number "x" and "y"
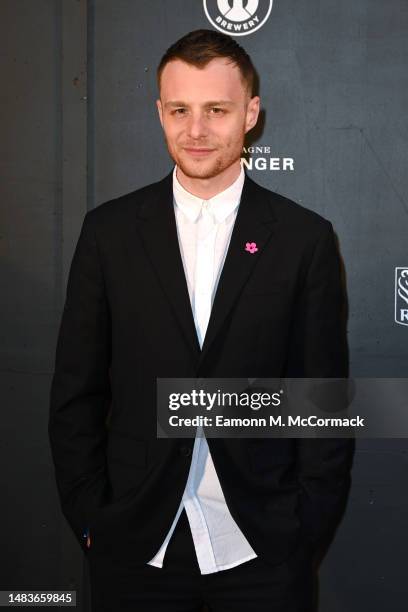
{"x": 205, "y": 114}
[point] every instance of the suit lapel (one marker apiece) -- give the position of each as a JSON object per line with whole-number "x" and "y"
{"x": 157, "y": 228}
{"x": 254, "y": 223}
{"x": 156, "y": 225}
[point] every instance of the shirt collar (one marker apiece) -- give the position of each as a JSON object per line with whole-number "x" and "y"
{"x": 220, "y": 206}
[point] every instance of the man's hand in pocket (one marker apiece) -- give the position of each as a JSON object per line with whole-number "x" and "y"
{"x": 87, "y": 535}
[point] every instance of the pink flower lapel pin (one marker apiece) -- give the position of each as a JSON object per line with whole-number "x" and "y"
{"x": 251, "y": 247}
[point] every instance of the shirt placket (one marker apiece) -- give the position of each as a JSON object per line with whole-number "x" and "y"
{"x": 204, "y": 270}
{"x": 203, "y": 286}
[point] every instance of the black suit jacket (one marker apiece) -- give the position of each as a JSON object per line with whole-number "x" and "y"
{"x": 127, "y": 320}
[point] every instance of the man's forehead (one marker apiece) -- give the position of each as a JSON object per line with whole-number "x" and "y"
{"x": 213, "y": 83}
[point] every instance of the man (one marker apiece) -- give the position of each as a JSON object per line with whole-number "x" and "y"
{"x": 163, "y": 284}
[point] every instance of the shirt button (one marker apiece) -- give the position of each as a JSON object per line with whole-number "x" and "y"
{"x": 185, "y": 451}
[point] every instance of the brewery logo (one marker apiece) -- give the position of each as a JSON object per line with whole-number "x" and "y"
{"x": 237, "y": 17}
{"x": 401, "y": 296}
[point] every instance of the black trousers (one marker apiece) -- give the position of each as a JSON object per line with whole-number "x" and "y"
{"x": 253, "y": 586}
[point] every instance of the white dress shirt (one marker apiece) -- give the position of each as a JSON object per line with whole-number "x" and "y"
{"x": 204, "y": 230}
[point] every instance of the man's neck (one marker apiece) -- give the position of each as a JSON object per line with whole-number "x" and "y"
{"x": 207, "y": 188}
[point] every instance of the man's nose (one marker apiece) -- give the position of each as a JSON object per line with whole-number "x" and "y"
{"x": 197, "y": 126}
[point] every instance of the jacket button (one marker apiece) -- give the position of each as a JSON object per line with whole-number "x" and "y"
{"x": 185, "y": 451}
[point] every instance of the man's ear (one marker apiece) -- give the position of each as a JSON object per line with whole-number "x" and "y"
{"x": 159, "y": 108}
{"x": 252, "y": 113}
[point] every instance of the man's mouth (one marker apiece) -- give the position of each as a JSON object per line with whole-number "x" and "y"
{"x": 198, "y": 152}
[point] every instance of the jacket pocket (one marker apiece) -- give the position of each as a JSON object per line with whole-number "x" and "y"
{"x": 126, "y": 450}
{"x": 260, "y": 286}
{"x": 265, "y": 454}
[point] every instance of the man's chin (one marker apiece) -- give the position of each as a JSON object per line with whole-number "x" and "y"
{"x": 199, "y": 169}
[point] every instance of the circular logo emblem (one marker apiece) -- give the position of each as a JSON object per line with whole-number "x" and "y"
{"x": 237, "y": 17}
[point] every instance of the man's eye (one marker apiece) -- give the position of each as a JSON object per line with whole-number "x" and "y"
{"x": 182, "y": 111}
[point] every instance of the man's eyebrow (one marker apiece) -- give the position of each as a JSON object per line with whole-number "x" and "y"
{"x": 174, "y": 103}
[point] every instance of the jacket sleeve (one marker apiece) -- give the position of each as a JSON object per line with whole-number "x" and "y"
{"x": 318, "y": 349}
{"x": 80, "y": 389}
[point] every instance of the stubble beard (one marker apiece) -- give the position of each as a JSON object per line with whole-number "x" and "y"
{"x": 207, "y": 168}
{"x": 201, "y": 168}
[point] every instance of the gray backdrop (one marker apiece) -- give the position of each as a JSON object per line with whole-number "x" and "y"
{"x": 79, "y": 126}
